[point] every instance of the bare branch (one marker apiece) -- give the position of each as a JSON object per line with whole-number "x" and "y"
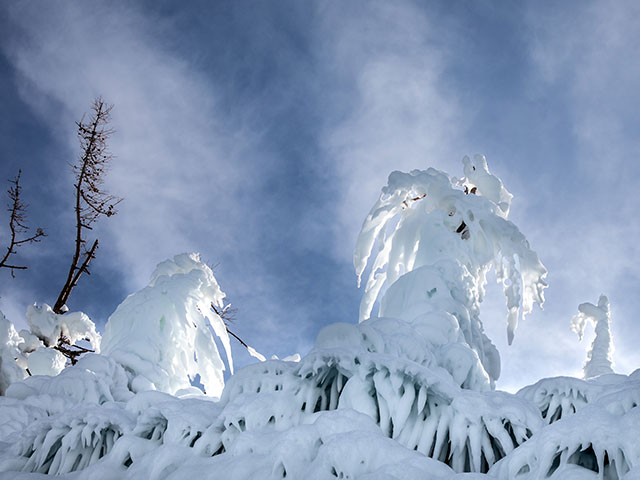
{"x": 72, "y": 352}
{"x": 92, "y": 201}
{"x": 227, "y": 315}
{"x": 18, "y": 225}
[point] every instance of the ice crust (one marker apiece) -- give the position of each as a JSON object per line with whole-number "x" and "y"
{"x": 406, "y": 395}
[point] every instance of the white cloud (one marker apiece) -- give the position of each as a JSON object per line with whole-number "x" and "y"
{"x": 398, "y": 112}
{"x": 174, "y": 161}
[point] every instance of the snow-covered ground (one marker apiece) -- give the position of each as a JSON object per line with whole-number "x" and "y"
{"x": 407, "y": 392}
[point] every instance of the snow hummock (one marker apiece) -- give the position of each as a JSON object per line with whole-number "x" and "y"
{"x": 599, "y": 358}
{"x": 46, "y": 361}
{"x": 164, "y": 334}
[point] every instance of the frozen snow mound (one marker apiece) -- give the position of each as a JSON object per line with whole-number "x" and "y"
{"x": 369, "y": 369}
{"x": 110, "y": 435}
{"x": 164, "y": 334}
{"x": 338, "y": 444}
{"x": 598, "y": 441}
{"x": 94, "y": 380}
{"x": 406, "y": 409}
{"x": 559, "y": 397}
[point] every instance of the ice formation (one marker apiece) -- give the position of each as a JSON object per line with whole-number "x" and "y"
{"x": 407, "y": 394}
{"x": 599, "y": 357}
{"x": 436, "y": 245}
{"x": 595, "y": 437}
{"x": 164, "y": 334}
{"x": 12, "y": 359}
{"x": 32, "y": 352}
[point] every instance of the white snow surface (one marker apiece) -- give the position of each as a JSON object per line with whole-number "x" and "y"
{"x": 48, "y": 326}
{"x": 164, "y": 334}
{"x": 46, "y": 361}
{"x": 406, "y": 395}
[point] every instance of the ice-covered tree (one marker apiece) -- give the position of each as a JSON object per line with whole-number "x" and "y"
{"x": 164, "y": 334}
{"x": 436, "y": 244}
{"x": 599, "y": 360}
{"x": 47, "y": 347}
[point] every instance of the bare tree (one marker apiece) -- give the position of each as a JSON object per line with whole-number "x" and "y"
{"x": 92, "y": 202}
{"x": 18, "y": 225}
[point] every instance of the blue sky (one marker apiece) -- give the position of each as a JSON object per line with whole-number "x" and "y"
{"x": 260, "y": 133}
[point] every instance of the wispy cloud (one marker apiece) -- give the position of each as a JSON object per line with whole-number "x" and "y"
{"x": 395, "y": 110}
{"x": 194, "y": 166}
{"x": 583, "y": 55}
{"x": 175, "y": 161}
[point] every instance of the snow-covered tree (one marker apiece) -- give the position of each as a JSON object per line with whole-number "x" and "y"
{"x": 164, "y": 334}
{"x": 599, "y": 360}
{"x": 436, "y": 244}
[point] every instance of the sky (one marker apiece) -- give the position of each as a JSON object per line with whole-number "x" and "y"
{"x": 260, "y": 133}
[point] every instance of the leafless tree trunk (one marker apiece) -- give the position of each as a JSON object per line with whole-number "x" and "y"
{"x": 18, "y": 225}
{"x": 92, "y": 201}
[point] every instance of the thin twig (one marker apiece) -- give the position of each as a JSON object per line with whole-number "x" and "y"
{"x": 18, "y": 225}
